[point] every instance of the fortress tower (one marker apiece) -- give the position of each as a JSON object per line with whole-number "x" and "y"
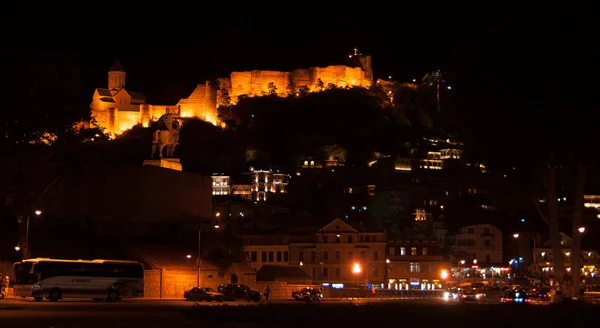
{"x": 116, "y": 77}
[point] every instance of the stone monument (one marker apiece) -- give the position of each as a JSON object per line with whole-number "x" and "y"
{"x": 164, "y": 141}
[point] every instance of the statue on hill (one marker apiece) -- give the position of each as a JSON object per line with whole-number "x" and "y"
{"x": 167, "y": 135}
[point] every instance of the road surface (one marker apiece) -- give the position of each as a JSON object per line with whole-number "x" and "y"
{"x": 160, "y": 313}
{"x": 16, "y": 312}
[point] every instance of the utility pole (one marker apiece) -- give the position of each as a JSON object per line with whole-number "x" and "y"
{"x": 26, "y": 248}
{"x": 322, "y": 263}
{"x": 199, "y": 259}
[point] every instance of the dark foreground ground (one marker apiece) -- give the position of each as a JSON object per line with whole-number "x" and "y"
{"x": 291, "y": 314}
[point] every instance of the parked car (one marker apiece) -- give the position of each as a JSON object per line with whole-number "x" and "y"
{"x": 308, "y": 294}
{"x": 471, "y": 295}
{"x": 515, "y": 296}
{"x": 203, "y": 294}
{"x": 234, "y": 292}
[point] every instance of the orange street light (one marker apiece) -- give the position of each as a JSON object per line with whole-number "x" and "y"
{"x": 444, "y": 274}
{"x": 356, "y": 269}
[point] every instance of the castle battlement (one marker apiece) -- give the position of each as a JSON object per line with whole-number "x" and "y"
{"x": 117, "y": 110}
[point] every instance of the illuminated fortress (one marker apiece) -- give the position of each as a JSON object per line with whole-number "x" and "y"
{"x": 117, "y": 109}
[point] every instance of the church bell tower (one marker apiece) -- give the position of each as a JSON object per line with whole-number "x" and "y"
{"x": 116, "y": 77}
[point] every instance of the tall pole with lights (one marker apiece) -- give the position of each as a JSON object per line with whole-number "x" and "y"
{"x": 516, "y": 237}
{"x": 199, "y": 257}
{"x": 26, "y": 248}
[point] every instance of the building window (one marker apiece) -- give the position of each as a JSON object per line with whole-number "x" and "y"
{"x": 392, "y": 250}
{"x": 325, "y": 256}
{"x": 279, "y": 258}
{"x": 415, "y": 267}
{"x": 363, "y": 255}
{"x": 270, "y": 256}
{"x": 486, "y": 231}
{"x": 325, "y": 239}
{"x": 350, "y": 239}
{"x": 350, "y": 255}
{"x": 253, "y": 256}
{"x": 470, "y": 242}
{"x": 314, "y": 273}
{"x": 402, "y": 250}
{"x": 424, "y": 251}
{"x": 337, "y": 272}
{"x": 301, "y": 256}
{"x": 337, "y": 255}
{"x": 470, "y": 231}
{"x": 263, "y": 257}
{"x": 487, "y": 242}
{"x": 325, "y": 272}
{"x": 375, "y": 256}
{"x": 413, "y": 251}
{"x": 286, "y": 256}
{"x": 313, "y": 256}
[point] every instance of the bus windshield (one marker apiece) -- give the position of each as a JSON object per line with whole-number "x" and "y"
{"x": 23, "y": 273}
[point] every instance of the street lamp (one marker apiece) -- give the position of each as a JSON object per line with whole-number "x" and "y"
{"x": 460, "y": 273}
{"x": 17, "y": 248}
{"x": 189, "y": 256}
{"x": 516, "y": 237}
{"x": 26, "y": 248}
{"x": 581, "y": 229}
{"x": 387, "y": 271}
{"x": 199, "y": 258}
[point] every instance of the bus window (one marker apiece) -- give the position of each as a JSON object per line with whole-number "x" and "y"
{"x": 22, "y": 272}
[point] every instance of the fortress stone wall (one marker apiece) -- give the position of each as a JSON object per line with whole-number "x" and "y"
{"x": 202, "y": 103}
{"x": 117, "y": 109}
{"x": 256, "y": 83}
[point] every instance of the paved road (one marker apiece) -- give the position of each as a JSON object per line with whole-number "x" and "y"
{"x": 160, "y": 313}
{"x": 127, "y": 313}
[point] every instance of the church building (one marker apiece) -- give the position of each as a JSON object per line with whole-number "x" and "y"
{"x": 117, "y": 109}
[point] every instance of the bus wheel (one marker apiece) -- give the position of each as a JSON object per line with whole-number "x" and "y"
{"x": 113, "y": 295}
{"x": 55, "y": 295}
{"x": 38, "y": 299}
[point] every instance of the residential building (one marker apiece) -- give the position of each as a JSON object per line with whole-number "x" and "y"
{"x": 481, "y": 242}
{"x": 341, "y": 254}
{"x": 266, "y": 183}
{"x": 416, "y": 264}
{"x": 543, "y": 258}
{"x": 221, "y": 185}
{"x": 259, "y": 255}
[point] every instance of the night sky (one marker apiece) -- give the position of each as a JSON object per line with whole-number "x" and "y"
{"x": 166, "y": 56}
{"x": 166, "y": 64}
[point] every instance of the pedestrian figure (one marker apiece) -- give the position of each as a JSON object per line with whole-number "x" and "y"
{"x": 267, "y": 291}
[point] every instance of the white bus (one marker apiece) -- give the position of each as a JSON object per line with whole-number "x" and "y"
{"x": 99, "y": 280}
